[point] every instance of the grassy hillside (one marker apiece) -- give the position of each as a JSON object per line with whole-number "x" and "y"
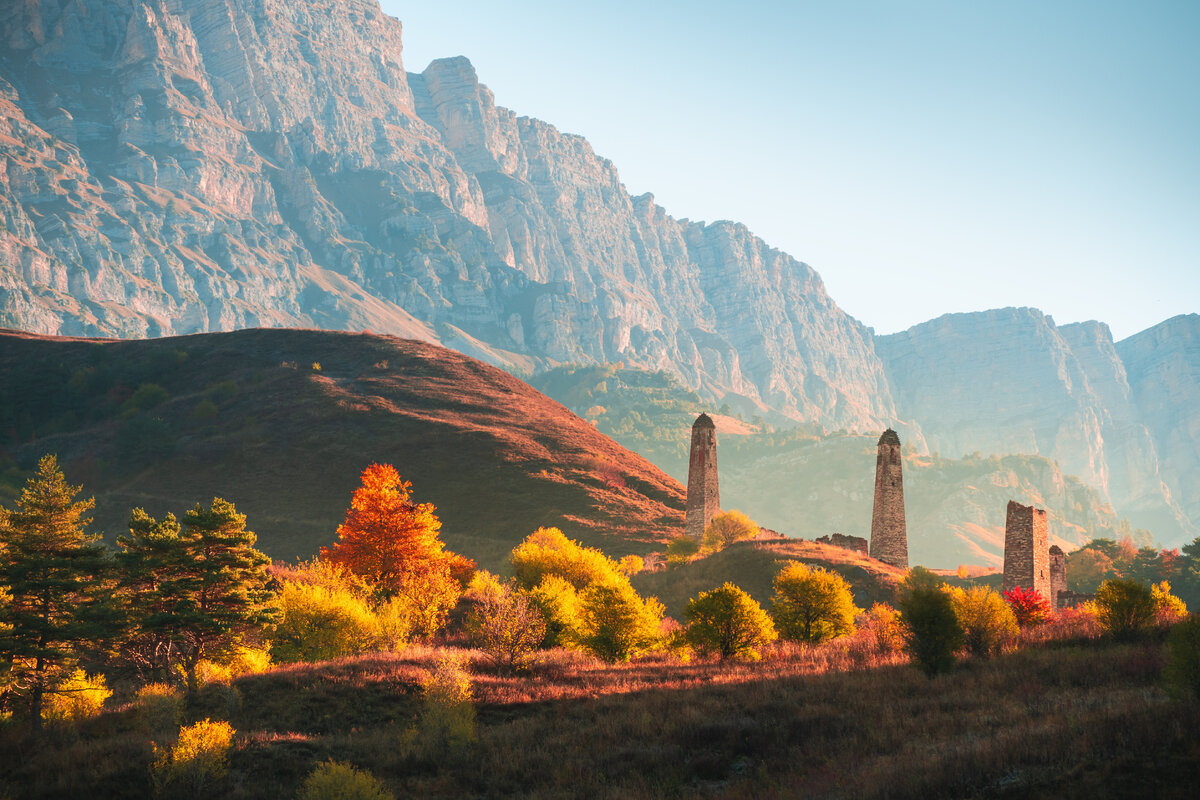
{"x": 1080, "y": 719}
{"x": 753, "y": 566}
{"x": 281, "y": 422}
{"x": 807, "y": 483}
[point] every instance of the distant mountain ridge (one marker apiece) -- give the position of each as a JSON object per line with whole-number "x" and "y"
{"x": 221, "y": 164}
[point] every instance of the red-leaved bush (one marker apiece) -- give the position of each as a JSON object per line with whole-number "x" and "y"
{"x": 1030, "y": 608}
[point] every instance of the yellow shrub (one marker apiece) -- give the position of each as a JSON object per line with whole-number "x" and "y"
{"x": 880, "y": 628}
{"x": 333, "y": 780}
{"x": 726, "y": 528}
{"x": 424, "y": 600}
{"x": 198, "y": 759}
{"x": 158, "y": 707}
{"x": 79, "y": 697}
{"x": 547, "y": 551}
{"x": 321, "y": 622}
{"x": 1167, "y": 607}
{"x": 558, "y": 601}
{"x": 448, "y": 709}
{"x": 631, "y": 565}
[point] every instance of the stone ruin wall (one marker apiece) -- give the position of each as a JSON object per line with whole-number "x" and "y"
{"x": 1026, "y": 549}
{"x": 856, "y": 543}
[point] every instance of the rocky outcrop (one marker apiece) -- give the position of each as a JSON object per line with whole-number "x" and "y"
{"x": 181, "y": 167}
{"x": 1163, "y": 366}
{"x": 1010, "y": 380}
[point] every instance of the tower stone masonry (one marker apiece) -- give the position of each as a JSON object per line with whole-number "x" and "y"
{"x": 1058, "y": 574}
{"x": 889, "y": 535}
{"x": 703, "y": 493}
{"x": 1026, "y": 551}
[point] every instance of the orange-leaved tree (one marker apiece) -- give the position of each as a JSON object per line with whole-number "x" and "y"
{"x": 393, "y": 543}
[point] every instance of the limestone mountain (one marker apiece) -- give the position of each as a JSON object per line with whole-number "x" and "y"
{"x": 1120, "y": 416}
{"x": 282, "y": 422}
{"x": 185, "y": 167}
{"x": 171, "y": 168}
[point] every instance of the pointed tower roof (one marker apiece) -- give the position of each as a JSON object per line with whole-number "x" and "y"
{"x": 890, "y": 437}
{"x": 703, "y": 421}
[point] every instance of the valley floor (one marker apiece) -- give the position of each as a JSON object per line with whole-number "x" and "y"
{"x": 1062, "y": 719}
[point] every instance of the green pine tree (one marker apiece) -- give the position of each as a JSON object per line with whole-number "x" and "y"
{"x": 154, "y": 573}
{"x": 56, "y": 577}
{"x": 219, "y": 590}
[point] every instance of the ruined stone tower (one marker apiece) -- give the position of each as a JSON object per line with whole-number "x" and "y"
{"x": 1026, "y": 555}
{"x": 889, "y": 537}
{"x": 1058, "y": 574}
{"x": 703, "y": 494}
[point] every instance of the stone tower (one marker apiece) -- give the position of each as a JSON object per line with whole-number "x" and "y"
{"x": 1026, "y": 554}
{"x": 889, "y": 537}
{"x": 1058, "y": 574}
{"x": 703, "y": 494}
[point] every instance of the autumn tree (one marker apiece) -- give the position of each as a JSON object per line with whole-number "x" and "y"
{"x": 812, "y": 604}
{"x": 56, "y": 584}
{"x": 728, "y": 622}
{"x": 1126, "y": 608}
{"x": 726, "y": 528}
{"x": 507, "y": 626}
{"x": 987, "y": 621}
{"x": 1029, "y": 606}
{"x": 393, "y": 542}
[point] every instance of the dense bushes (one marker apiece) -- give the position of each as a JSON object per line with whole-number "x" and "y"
{"x": 195, "y": 763}
{"x": 335, "y": 780}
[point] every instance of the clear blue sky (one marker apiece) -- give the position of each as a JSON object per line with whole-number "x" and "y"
{"x": 924, "y": 157}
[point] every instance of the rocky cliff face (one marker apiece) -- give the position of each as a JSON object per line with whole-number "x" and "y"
{"x": 1163, "y": 365}
{"x": 180, "y": 167}
{"x": 1010, "y": 380}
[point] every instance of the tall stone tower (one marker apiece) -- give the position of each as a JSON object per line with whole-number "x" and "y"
{"x": 1058, "y": 574}
{"x": 1026, "y": 554}
{"x": 889, "y": 536}
{"x": 703, "y": 496}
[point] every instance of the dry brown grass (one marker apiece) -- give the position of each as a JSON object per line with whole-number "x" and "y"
{"x": 1067, "y": 717}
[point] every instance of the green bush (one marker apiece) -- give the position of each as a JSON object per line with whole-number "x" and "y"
{"x": 334, "y": 780}
{"x": 812, "y": 604}
{"x": 727, "y": 621}
{"x": 615, "y": 624}
{"x": 681, "y": 549}
{"x": 932, "y": 634}
{"x": 1183, "y": 666}
{"x": 987, "y": 621}
{"x": 1125, "y": 607}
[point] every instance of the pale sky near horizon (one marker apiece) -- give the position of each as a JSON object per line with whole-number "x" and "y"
{"x": 924, "y": 157}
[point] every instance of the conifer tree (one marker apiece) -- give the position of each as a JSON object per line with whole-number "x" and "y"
{"x": 54, "y": 574}
{"x": 216, "y": 590}
{"x": 154, "y": 571}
